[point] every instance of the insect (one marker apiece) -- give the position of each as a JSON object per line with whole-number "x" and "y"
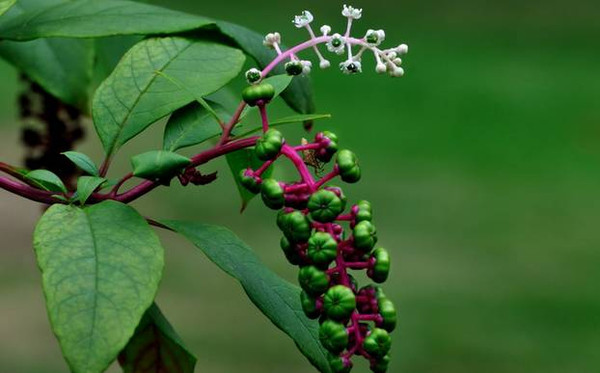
{"x": 310, "y": 159}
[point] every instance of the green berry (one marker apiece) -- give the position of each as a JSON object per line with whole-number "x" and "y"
{"x": 338, "y": 192}
{"x": 364, "y": 211}
{"x": 272, "y": 194}
{"x": 333, "y": 336}
{"x": 269, "y": 145}
{"x": 297, "y": 227}
{"x": 325, "y": 154}
{"x": 322, "y": 249}
{"x": 325, "y": 206}
{"x": 261, "y": 92}
{"x": 309, "y": 305}
{"x": 377, "y": 343}
{"x": 388, "y": 314}
{"x": 249, "y": 181}
{"x": 339, "y": 302}
{"x": 294, "y": 68}
{"x": 381, "y": 365}
{"x": 314, "y": 281}
{"x": 364, "y": 236}
{"x": 348, "y": 166}
{"x": 381, "y": 268}
{"x": 290, "y": 254}
{"x": 339, "y": 364}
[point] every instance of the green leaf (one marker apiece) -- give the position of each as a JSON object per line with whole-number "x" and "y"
{"x": 101, "y": 266}
{"x": 192, "y": 125}
{"x": 67, "y": 63}
{"x": 287, "y": 120}
{"x": 86, "y": 185}
{"x": 240, "y": 160}
{"x": 299, "y": 95}
{"x": 6, "y": 5}
{"x": 156, "y": 347}
{"x": 82, "y": 161}
{"x": 133, "y": 96}
{"x": 93, "y": 18}
{"x": 47, "y": 180}
{"x": 276, "y": 298}
{"x": 157, "y": 164}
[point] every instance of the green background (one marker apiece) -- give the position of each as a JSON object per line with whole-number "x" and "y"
{"x": 483, "y": 167}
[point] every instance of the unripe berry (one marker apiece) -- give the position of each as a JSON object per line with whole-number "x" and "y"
{"x": 269, "y": 145}
{"x": 339, "y": 302}
{"x": 272, "y": 194}
{"x": 254, "y": 94}
{"x": 314, "y": 281}
{"x": 325, "y": 206}
{"x": 288, "y": 250}
{"x": 325, "y": 154}
{"x": 297, "y": 227}
{"x": 339, "y": 192}
{"x": 348, "y": 166}
{"x": 309, "y": 305}
{"x": 340, "y": 364}
{"x": 364, "y": 236}
{"x": 294, "y": 68}
{"x": 380, "y": 365}
{"x": 388, "y": 314}
{"x": 249, "y": 181}
{"x": 377, "y": 343}
{"x": 333, "y": 336}
{"x": 381, "y": 267}
{"x": 322, "y": 249}
{"x": 363, "y": 211}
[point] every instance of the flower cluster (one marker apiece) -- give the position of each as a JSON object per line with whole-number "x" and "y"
{"x": 327, "y": 239}
{"x": 387, "y": 60}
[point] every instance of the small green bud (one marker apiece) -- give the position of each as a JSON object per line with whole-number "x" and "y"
{"x": 260, "y": 92}
{"x": 381, "y": 269}
{"x": 322, "y": 249}
{"x": 339, "y": 302}
{"x": 378, "y": 343}
{"x": 309, "y": 305}
{"x": 314, "y": 281}
{"x": 333, "y": 336}
{"x": 325, "y": 206}
{"x": 272, "y": 194}
{"x": 269, "y": 145}
{"x": 364, "y": 236}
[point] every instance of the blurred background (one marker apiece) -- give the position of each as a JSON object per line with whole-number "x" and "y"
{"x": 482, "y": 164}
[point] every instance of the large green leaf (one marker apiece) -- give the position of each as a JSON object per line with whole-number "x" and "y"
{"x": 101, "y": 266}
{"x": 156, "y": 348}
{"x": 276, "y": 298}
{"x": 192, "y": 125}
{"x": 299, "y": 94}
{"x": 135, "y": 95}
{"x": 241, "y": 160}
{"x": 98, "y": 18}
{"x": 63, "y": 67}
{"x": 6, "y": 5}
{"x": 158, "y": 164}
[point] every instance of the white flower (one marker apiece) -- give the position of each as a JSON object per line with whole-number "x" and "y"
{"x": 325, "y": 29}
{"x": 351, "y": 12}
{"x": 375, "y": 37}
{"x": 397, "y": 72}
{"x": 271, "y": 39}
{"x": 402, "y": 49}
{"x": 324, "y": 64}
{"x": 253, "y": 75}
{"x": 351, "y": 67}
{"x": 303, "y": 20}
{"x": 381, "y": 68}
{"x": 306, "y": 67}
{"x": 336, "y": 44}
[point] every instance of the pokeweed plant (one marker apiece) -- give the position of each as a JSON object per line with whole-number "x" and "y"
{"x": 101, "y": 262}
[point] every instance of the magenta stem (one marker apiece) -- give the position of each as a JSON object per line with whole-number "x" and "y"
{"x": 259, "y": 171}
{"x": 327, "y": 178}
{"x": 308, "y": 147}
{"x": 298, "y": 162}
{"x": 263, "y": 116}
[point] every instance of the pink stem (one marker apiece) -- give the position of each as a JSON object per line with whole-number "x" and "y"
{"x": 308, "y": 147}
{"x": 263, "y": 116}
{"x": 298, "y": 162}
{"x": 327, "y": 178}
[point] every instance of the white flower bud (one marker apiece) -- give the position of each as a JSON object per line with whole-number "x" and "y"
{"x": 325, "y": 29}
{"x": 324, "y": 64}
{"x": 303, "y": 20}
{"x": 306, "y": 67}
{"x": 271, "y": 39}
{"x": 381, "y": 68}
{"x": 397, "y": 72}
{"x": 402, "y": 49}
{"x": 397, "y": 61}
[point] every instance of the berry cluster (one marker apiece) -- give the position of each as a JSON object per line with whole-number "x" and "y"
{"x": 327, "y": 240}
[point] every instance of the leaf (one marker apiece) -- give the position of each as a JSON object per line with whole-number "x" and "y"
{"x": 6, "y": 5}
{"x": 93, "y": 18}
{"x": 82, "y": 161}
{"x": 47, "y": 180}
{"x": 156, "y": 347}
{"x": 157, "y": 164}
{"x": 299, "y": 94}
{"x": 67, "y": 63}
{"x": 86, "y": 185}
{"x": 192, "y": 125}
{"x": 276, "y": 298}
{"x": 101, "y": 266}
{"x": 132, "y": 97}
{"x": 240, "y": 160}
{"x": 287, "y": 120}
